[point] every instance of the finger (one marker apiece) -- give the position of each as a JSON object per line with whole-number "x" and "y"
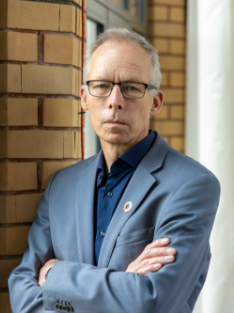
{"x": 134, "y": 268}
{"x": 51, "y": 261}
{"x": 162, "y": 242}
{"x": 41, "y": 280}
{"x": 155, "y": 252}
{"x": 151, "y": 261}
{"x": 159, "y": 260}
{"x": 150, "y": 269}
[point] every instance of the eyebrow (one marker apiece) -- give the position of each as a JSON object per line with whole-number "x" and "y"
{"x": 132, "y": 79}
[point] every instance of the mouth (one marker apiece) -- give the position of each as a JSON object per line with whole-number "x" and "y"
{"x": 115, "y": 122}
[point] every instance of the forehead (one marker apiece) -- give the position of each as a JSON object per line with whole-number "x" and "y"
{"x": 120, "y": 61}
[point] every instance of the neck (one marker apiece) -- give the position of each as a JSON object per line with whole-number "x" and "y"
{"x": 113, "y": 151}
{"x": 111, "y": 154}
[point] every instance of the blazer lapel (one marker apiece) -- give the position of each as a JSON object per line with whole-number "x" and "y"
{"x": 85, "y": 212}
{"x": 137, "y": 189}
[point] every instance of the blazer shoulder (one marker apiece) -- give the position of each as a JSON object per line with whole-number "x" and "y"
{"x": 187, "y": 166}
{"x": 78, "y": 167}
{"x": 67, "y": 176}
{"x": 173, "y": 163}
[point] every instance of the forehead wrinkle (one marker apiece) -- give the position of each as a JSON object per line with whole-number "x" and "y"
{"x": 119, "y": 70}
{"x": 114, "y": 70}
{"x": 117, "y": 76}
{"x": 127, "y": 63}
{"x": 121, "y": 65}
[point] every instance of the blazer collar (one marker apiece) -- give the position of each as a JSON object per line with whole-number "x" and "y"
{"x": 155, "y": 157}
{"x": 85, "y": 211}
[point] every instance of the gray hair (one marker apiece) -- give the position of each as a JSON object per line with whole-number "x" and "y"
{"x": 124, "y": 35}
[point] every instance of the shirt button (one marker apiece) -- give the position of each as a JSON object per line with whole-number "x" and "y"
{"x": 102, "y": 233}
{"x": 100, "y": 176}
{"x": 110, "y": 194}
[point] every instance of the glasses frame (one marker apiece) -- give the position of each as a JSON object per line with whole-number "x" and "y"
{"x": 107, "y": 81}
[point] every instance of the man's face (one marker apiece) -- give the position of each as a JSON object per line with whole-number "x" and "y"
{"x": 115, "y": 119}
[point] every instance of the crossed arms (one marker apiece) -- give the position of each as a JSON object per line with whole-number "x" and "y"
{"x": 187, "y": 221}
{"x": 154, "y": 256}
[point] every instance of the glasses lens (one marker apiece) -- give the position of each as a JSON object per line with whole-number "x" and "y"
{"x": 133, "y": 90}
{"x": 100, "y": 88}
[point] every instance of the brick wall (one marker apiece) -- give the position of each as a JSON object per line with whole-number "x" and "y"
{"x": 40, "y": 77}
{"x": 166, "y": 21}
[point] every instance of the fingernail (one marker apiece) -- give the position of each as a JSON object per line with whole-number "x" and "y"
{"x": 170, "y": 250}
{"x": 164, "y": 240}
{"x": 157, "y": 266}
{"x": 168, "y": 258}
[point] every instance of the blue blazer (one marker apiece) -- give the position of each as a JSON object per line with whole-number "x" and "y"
{"x": 173, "y": 196}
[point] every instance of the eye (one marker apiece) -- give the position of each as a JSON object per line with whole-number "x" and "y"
{"x": 131, "y": 88}
{"x": 103, "y": 86}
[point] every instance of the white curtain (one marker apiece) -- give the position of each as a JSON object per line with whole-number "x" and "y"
{"x": 210, "y": 133}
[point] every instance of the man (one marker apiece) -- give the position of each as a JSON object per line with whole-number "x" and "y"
{"x": 100, "y": 240}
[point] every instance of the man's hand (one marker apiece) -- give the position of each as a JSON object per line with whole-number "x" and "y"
{"x": 44, "y": 270}
{"x": 154, "y": 256}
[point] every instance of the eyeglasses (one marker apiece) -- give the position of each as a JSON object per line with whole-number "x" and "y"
{"x": 129, "y": 90}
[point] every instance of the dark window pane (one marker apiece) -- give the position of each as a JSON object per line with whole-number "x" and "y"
{"x": 126, "y": 4}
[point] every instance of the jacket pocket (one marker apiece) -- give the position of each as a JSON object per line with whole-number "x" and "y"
{"x": 140, "y": 235}
{"x": 129, "y": 247}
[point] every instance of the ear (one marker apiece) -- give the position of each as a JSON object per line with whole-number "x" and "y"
{"x": 84, "y": 98}
{"x": 157, "y": 103}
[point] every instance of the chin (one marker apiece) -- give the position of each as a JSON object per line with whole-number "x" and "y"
{"x": 115, "y": 139}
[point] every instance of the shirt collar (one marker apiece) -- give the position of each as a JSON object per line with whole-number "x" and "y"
{"x": 136, "y": 153}
{"x": 101, "y": 163}
{"x": 132, "y": 156}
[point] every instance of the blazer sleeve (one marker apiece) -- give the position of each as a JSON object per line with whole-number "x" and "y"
{"x": 25, "y": 293}
{"x": 187, "y": 220}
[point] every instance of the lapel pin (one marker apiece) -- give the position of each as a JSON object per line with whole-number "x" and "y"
{"x": 127, "y": 206}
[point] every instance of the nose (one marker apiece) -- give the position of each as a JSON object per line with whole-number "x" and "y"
{"x": 116, "y": 99}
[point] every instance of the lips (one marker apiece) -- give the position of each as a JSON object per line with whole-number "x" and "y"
{"x": 115, "y": 122}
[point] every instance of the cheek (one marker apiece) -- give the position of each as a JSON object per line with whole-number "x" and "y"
{"x": 96, "y": 114}
{"x": 144, "y": 114}
{"x": 143, "y": 118}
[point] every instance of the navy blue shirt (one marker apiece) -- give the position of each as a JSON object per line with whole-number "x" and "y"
{"x": 110, "y": 186}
